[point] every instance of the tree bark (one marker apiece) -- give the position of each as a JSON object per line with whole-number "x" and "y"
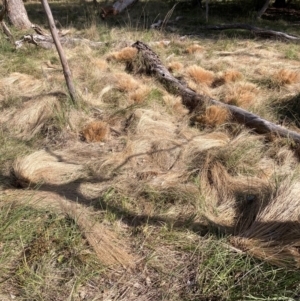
{"x": 17, "y": 14}
{"x": 116, "y": 8}
{"x": 150, "y": 63}
{"x": 63, "y": 59}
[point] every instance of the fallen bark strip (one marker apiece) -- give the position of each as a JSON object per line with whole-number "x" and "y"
{"x": 46, "y": 41}
{"x": 256, "y": 30}
{"x": 150, "y": 63}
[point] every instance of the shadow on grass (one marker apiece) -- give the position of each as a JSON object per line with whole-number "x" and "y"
{"x": 289, "y": 110}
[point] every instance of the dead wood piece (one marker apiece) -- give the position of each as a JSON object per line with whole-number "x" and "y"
{"x": 256, "y": 30}
{"x": 150, "y": 63}
{"x": 46, "y": 41}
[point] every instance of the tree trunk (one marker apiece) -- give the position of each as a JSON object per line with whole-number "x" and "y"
{"x": 116, "y": 8}
{"x": 17, "y": 14}
{"x": 263, "y": 9}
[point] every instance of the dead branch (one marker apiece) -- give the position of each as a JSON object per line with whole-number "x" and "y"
{"x": 47, "y": 42}
{"x": 4, "y": 27}
{"x": 63, "y": 59}
{"x": 150, "y": 63}
{"x": 255, "y": 30}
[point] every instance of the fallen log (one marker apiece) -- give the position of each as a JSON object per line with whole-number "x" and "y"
{"x": 149, "y": 62}
{"x": 255, "y": 30}
{"x": 46, "y": 41}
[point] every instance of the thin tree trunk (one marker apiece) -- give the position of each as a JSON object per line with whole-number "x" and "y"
{"x": 116, "y": 8}
{"x": 194, "y": 102}
{"x": 263, "y": 9}
{"x": 17, "y": 14}
{"x": 206, "y": 10}
{"x": 63, "y": 59}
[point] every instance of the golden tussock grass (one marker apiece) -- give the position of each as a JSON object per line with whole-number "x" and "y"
{"x": 95, "y": 131}
{"x": 175, "y": 105}
{"x": 126, "y": 54}
{"x": 44, "y": 167}
{"x": 200, "y": 75}
{"x": 109, "y": 248}
{"x": 23, "y": 85}
{"x": 240, "y": 94}
{"x": 126, "y": 82}
{"x": 140, "y": 94}
{"x": 99, "y": 64}
{"x": 30, "y": 118}
{"x": 286, "y": 77}
{"x": 231, "y": 76}
{"x": 194, "y": 49}
{"x": 213, "y": 116}
{"x": 175, "y": 66}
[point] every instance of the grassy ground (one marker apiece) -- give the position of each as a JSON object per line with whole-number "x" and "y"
{"x": 124, "y": 195}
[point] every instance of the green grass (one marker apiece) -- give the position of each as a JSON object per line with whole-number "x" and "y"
{"x": 42, "y": 252}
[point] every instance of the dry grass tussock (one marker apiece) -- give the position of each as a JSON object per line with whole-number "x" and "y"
{"x": 95, "y": 131}
{"x": 126, "y": 82}
{"x": 241, "y": 94}
{"x": 139, "y": 95}
{"x": 194, "y": 49}
{"x": 200, "y": 75}
{"x": 286, "y": 77}
{"x": 29, "y": 119}
{"x": 213, "y": 116}
{"x": 18, "y": 84}
{"x": 175, "y": 66}
{"x": 126, "y": 54}
{"x": 46, "y": 167}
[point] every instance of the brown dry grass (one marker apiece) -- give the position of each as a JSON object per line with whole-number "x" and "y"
{"x": 240, "y": 94}
{"x": 286, "y": 77}
{"x": 126, "y": 82}
{"x": 194, "y": 49}
{"x": 213, "y": 116}
{"x": 175, "y": 66}
{"x": 95, "y": 131}
{"x": 140, "y": 94}
{"x": 126, "y": 54}
{"x": 200, "y": 75}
